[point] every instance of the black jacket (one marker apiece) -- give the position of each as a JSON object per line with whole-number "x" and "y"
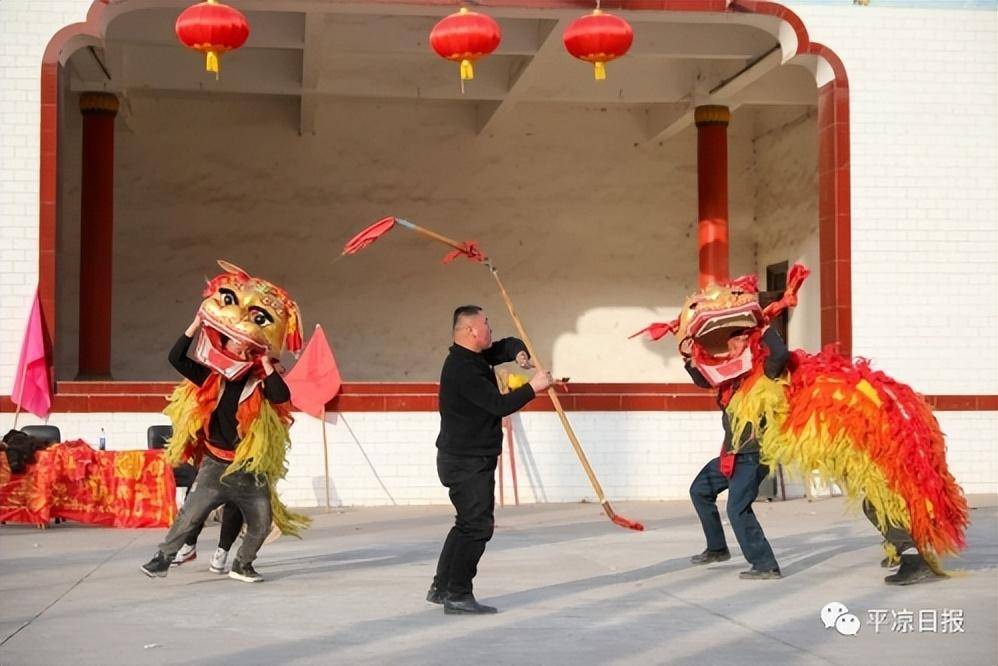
{"x": 223, "y": 428}
{"x": 471, "y": 406}
{"x": 775, "y": 364}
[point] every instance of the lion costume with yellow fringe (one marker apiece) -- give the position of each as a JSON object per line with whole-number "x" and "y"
{"x": 852, "y": 425}
{"x": 263, "y": 316}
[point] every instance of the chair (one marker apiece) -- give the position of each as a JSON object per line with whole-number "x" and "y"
{"x": 158, "y": 435}
{"x": 47, "y": 433}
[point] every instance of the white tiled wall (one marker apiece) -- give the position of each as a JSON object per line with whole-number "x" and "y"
{"x": 378, "y": 458}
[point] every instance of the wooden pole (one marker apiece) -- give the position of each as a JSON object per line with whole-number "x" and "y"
{"x": 325, "y": 457}
{"x": 503, "y": 378}
{"x": 20, "y": 398}
{"x": 593, "y": 481}
{"x": 512, "y": 459}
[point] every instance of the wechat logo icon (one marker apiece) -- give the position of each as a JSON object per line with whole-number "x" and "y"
{"x": 838, "y": 616}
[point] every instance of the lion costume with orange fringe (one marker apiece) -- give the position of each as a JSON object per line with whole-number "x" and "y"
{"x": 853, "y": 425}
{"x": 263, "y": 316}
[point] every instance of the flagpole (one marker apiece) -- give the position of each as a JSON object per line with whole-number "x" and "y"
{"x": 432, "y": 235}
{"x": 503, "y": 378}
{"x": 20, "y": 398}
{"x": 325, "y": 456}
{"x": 512, "y": 459}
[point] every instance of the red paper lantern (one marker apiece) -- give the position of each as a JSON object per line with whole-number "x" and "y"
{"x": 465, "y": 37}
{"x": 213, "y": 29}
{"x": 598, "y": 38}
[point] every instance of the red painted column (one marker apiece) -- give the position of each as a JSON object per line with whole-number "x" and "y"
{"x": 712, "y": 189}
{"x": 96, "y": 234}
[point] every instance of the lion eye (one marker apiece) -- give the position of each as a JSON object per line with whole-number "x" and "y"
{"x": 228, "y": 297}
{"x": 261, "y": 317}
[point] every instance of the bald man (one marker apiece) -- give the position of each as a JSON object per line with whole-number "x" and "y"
{"x": 468, "y": 447}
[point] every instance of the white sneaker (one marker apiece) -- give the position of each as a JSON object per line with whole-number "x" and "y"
{"x": 217, "y": 564}
{"x": 185, "y": 554}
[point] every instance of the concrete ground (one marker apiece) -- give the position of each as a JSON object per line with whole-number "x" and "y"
{"x": 572, "y": 589}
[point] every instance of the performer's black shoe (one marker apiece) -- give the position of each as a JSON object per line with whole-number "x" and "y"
{"x": 708, "y": 556}
{"x": 914, "y": 569}
{"x": 760, "y": 574}
{"x": 158, "y": 566}
{"x": 465, "y": 604}
{"x": 244, "y": 572}
{"x": 435, "y": 595}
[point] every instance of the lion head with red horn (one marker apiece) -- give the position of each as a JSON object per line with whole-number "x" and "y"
{"x": 719, "y": 313}
{"x": 257, "y": 313}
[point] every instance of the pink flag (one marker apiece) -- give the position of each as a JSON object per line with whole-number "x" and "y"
{"x": 315, "y": 379}
{"x": 31, "y": 382}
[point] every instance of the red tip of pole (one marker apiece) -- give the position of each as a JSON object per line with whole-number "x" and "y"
{"x": 368, "y": 235}
{"x": 629, "y": 524}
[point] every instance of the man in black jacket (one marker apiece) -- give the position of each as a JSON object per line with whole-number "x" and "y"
{"x": 743, "y": 479}
{"x": 470, "y": 440}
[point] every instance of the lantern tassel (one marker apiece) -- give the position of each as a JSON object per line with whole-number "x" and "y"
{"x": 599, "y": 70}
{"x": 467, "y": 71}
{"x": 211, "y": 63}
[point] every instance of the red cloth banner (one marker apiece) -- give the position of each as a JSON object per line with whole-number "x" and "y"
{"x": 75, "y": 482}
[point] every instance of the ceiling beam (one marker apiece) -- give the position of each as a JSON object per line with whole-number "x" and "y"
{"x": 268, "y": 30}
{"x": 522, "y": 77}
{"x": 723, "y": 91}
{"x": 667, "y": 120}
{"x": 752, "y": 72}
{"x": 311, "y": 71}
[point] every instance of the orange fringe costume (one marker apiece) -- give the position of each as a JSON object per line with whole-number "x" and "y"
{"x": 857, "y": 427}
{"x": 262, "y": 315}
{"x": 263, "y": 429}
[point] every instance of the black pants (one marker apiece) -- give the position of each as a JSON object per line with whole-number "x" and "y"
{"x": 184, "y": 474}
{"x": 743, "y": 488}
{"x": 472, "y": 482}
{"x": 247, "y": 491}
{"x": 232, "y": 522}
{"x": 895, "y": 535}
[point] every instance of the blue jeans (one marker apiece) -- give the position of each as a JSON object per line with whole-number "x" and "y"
{"x": 742, "y": 487}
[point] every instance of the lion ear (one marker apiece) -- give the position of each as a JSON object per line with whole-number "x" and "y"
{"x": 747, "y": 283}
{"x": 293, "y": 336}
{"x": 232, "y": 269}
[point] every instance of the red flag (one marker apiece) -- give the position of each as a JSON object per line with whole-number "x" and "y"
{"x": 31, "y": 382}
{"x": 369, "y": 235}
{"x": 315, "y": 379}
